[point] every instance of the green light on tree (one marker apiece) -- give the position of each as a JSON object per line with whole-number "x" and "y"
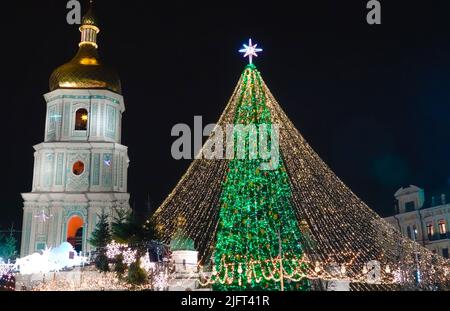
{"x": 256, "y": 213}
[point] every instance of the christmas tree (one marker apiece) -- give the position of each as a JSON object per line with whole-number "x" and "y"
{"x": 256, "y": 221}
{"x": 8, "y": 247}
{"x": 101, "y": 237}
{"x": 249, "y": 222}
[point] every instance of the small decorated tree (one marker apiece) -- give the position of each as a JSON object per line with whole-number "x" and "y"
{"x": 101, "y": 236}
{"x": 137, "y": 275}
{"x": 119, "y": 266}
{"x": 8, "y": 247}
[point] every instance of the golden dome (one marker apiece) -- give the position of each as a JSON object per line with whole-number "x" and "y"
{"x": 85, "y": 70}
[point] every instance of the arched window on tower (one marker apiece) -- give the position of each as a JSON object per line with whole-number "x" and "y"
{"x": 81, "y": 119}
{"x": 75, "y": 232}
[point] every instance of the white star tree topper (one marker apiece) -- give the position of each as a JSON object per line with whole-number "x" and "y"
{"x": 250, "y": 50}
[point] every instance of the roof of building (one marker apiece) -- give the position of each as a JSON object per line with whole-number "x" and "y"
{"x": 406, "y": 190}
{"x": 180, "y": 242}
{"x": 85, "y": 70}
{"x": 434, "y": 198}
{"x": 89, "y": 18}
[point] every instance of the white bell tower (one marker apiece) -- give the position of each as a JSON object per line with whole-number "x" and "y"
{"x": 80, "y": 170}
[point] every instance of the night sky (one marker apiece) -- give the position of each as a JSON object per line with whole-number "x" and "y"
{"x": 373, "y": 101}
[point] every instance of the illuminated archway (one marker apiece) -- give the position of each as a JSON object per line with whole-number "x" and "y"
{"x": 75, "y": 232}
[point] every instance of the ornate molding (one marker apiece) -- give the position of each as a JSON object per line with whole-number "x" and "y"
{"x": 83, "y": 97}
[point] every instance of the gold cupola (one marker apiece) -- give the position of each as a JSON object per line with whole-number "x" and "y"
{"x": 85, "y": 70}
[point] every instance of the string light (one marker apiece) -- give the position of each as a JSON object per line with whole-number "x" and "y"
{"x": 114, "y": 249}
{"x": 7, "y": 280}
{"x": 305, "y": 269}
{"x": 5, "y": 268}
{"x": 97, "y": 281}
{"x": 49, "y": 265}
{"x": 335, "y": 226}
{"x": 50, "y": 260}
{"x": 129, "y": 256}
{"x": 88, "y": 282}
{"x": 160, "y": 281}
{"x": 388, "y": 269}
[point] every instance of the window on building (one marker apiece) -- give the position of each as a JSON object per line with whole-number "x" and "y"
{"x": 75, "y": 232}
{"x": 445, "y": 252}
{"x": 408, "y": 232}
{"x": 430, "y": 231}
{"x": 81, "y": 120}
{"x": 442, "y": 228}
{"x": 78, "y": 168}
{"x": 415, "y": 232}
{"x": 409, "y": 206}
{"x": 40, "y": 246}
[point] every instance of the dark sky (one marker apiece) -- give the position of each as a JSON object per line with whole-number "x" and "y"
{"x": 373, "y": 101}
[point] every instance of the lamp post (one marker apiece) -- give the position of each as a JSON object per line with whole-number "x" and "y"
{"x": 416, "y": 257}
{"x": 280, "y": 254}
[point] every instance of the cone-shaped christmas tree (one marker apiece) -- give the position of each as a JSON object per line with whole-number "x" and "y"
{"x": 268, "y": 228}
{"x": 256, "y": 220}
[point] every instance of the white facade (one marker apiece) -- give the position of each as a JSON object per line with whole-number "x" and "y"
{"x": 427, "y": 224}
{"x": 78, "y": 173}
{"x": 185, "y": 276}
{"x": 185, "y": 261}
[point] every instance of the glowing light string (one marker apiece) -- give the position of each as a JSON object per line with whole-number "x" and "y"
{"x": 336, "y": 226}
